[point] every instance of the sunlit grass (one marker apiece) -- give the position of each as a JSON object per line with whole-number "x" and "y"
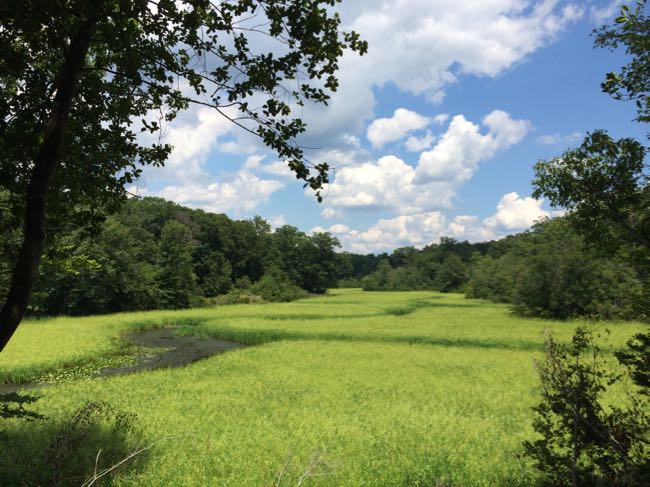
{"x": 356, "y": 388}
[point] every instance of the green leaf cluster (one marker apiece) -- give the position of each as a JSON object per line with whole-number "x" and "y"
{"x": 630, "y": 31}
{"x": 583, "y": 440}
{"x": 552, "y": 272}
{"x": 252, "y": 61}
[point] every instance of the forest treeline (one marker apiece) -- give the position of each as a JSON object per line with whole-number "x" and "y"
{"x": 549, "y": 271}
{"x": 154, "y": 254}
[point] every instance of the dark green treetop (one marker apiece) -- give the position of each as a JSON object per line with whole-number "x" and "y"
{"x": 602, "y": 184}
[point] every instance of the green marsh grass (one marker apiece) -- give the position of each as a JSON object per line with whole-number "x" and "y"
{"x": 338, "y": 390}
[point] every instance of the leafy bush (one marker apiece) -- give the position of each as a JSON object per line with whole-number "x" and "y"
{"x": 585, "y": 443}
{"x": 348, "y": 283}
{"x": 494, "y": 279}
{"x": 452, "y": 274}
{"x": 237, "y": 296}
{"x": 637, "y": 359}
{"x": 275, "y": 286}
{"x": 243, "y": 282}
{"x": 386, "y": 278}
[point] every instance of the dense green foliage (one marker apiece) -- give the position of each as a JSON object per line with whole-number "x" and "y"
{"x": 375, "y": 388}
{"x": 604, "y": 187}
{"x": 584, "y": 441}
{"x": 276, "y": 286}
{"x": 636, "y": 357}
{"x": 443, "y": 266}
{"x": 79, "y": 450}
{"x": 156, "y": 254}
{"x": 140, "y": 56}
{"x": 549, "y": 271}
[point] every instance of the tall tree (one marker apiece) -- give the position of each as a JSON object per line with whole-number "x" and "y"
{"x": 602, "y": 183}
{"x": 176, "y": 277}
{"x": 80, "y": 79}
{"x": 452, "y": 274}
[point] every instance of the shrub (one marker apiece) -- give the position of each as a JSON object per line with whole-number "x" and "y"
{"x": 636, "y": 357}
{"x": 386, "y": 278}
{"x": 275, "y": 286}
{"x": 243, "y": 282}
{"x": 237, "y": 296}
{"x": 584, "y": 443}
{"x": 452, "y": 274}
{"x": 551, "y": 272}
{"x": 349, "y": 282}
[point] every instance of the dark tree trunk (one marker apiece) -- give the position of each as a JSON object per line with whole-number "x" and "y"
{"x": 29, "y": 258}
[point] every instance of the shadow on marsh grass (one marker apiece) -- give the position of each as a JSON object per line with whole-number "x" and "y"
{"x": 77, "y": 450}
{"x": 313, "y": 317}
{"x": 425, "y": 303}
{"x": 260, "y": 337}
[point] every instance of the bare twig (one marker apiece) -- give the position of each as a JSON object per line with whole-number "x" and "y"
{"x": 96, "y": 476}
{"x": 317, "y": 467}
{"x": 97, "y": 462}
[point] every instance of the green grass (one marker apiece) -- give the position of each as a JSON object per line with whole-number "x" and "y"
{"x": 356, "y": 388}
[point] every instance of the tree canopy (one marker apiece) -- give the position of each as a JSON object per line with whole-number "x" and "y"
{"x": 145, "y": 61}
{"x": 155, "y": 254}
{"x": 81, "y": 82}
{"x": 600, "y": 183}
{"x": 632, "y": 82}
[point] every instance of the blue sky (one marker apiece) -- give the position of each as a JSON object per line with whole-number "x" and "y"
{"x": 433, "y": 133}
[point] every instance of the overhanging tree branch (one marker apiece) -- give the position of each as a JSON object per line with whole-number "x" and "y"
{"x": 89, "y": 150}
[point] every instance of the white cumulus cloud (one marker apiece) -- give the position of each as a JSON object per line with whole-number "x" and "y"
{"x": 242, "y": 193}
{"x": 423, "y": 46}
{"x": 441, "y": 118}
{"x": 387, "y": 184}
{"x": 418, "y": 144}
{"x": 193, "y": 136}
{"x": 277, "y": 221}
{"x": 515, "y": 213}
{"x": 415, "y": 230}
{"x": 391, "y": 184}
{"x": 457, "y": 153}
{"x": 328, "y": 213}
{"x": 602, "y": 14}
{"x": 559, "y": 139}
{"x": 403, "y": 121}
